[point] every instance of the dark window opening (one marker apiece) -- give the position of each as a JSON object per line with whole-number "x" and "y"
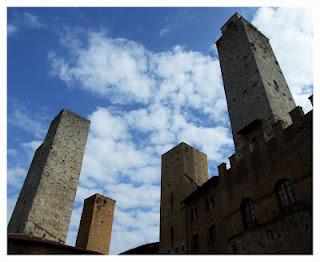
{"x": 171, "y": 201}
{"x": 270, "y": 235}
{"x": 195, "y": 243}
{"x": 212, "y": 234}
{"x": 171, "y": 236}
{"x": 248, "y": 212}
{"x": 285, "y": 193}
{"x": 276, "y": 86}
{"x": 210, "y": 203}
{"x": 193, "y": 214}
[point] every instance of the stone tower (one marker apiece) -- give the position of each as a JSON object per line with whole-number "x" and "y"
{"x": 256, "y": 90}
{"x": 96, "y": 224}
{"x": 44, "y": 206}
{"x": 183, "y": 169}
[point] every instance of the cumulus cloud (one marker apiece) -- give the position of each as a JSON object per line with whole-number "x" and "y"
{"x": 158, "y": 99}
{"x": 30, "y": 147}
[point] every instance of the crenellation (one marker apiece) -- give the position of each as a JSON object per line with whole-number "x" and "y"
{"x": 297, "y": 115}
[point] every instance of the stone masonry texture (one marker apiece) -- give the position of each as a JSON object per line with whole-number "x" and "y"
{"x": 96, "y": 224}
{"x": 44, "y": 206}
{"x": 273, "y": 142}
{"x": 183, "y": 170}
{"x": 254, "y": 84}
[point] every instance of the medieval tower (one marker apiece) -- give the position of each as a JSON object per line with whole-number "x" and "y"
{"x": 96, "y": 224}
{"x": 44, "y": 206}
{"x": 183, "y": 169}
{"x": 256, "y": 90}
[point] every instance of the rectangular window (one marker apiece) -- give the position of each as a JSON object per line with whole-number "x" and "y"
{"x": 171, "y": 236}
{"x": 212, "y": 234}
{"x": 195, "y": 243}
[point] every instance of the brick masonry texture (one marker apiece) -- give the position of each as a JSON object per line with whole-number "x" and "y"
{"x": 44, "y": 206}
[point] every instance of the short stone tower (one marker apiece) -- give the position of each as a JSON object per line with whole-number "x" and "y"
{"x": 96, "y": 224}
{"x": 45, "y": 203}
{"x": 183, "y": 169}
{"x": 256, "y": 90}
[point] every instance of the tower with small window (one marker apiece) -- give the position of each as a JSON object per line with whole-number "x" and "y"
{"x": 183, "y": 170}
{"x": 255, "y": 87}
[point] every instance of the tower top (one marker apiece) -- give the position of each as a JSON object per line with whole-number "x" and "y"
{"x": 232, "y": 20}
{"x": 257, "y": 93}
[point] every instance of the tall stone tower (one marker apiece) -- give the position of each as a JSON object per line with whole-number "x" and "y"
{"x": 44, "y": 206}
{"x": 96, "y": 224}
{"x": 183, "y": 169}
{"x": 256, "y": 90}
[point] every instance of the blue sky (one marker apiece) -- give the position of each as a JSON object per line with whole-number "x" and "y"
{"x": 147, "y": 78}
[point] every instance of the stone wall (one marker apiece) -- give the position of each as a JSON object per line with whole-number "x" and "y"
{"x": 183, "y": 169}
{"x": 45, "y": 203}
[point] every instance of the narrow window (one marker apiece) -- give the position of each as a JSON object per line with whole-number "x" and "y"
{"x": 171, "y": 201}
{"x": 212, "y": 234}
{"x": 209, "y": 203}
{"x": 270, "y": 235}
{"x": 171, "y": 236}
{"x": 248, "y": 212}
{"x": 276, "y": 86}
{"x": 195, "y": 243}
{"x": 194, "y": 214}
{"x": 285, "y": 193}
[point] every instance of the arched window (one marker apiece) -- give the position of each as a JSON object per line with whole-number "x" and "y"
{"x": 248, "y": 212}
{"x": 285, "y": 193}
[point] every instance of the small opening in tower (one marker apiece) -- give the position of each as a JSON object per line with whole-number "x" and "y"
{"x": 276, "y": 86}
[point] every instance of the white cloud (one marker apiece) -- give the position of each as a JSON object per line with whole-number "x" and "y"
{"x": 21, "y": 117}
{"x": 164, "y": 31}
{"x": 12, "y": 29}
{"x": 31, "y": 147}
{"x": 31, "y": 20}
{"x": 22, "y": 21}
{"x": 108, "y": 67}
{"x": 290, "y": 34}
{"x": 16, "y": 176}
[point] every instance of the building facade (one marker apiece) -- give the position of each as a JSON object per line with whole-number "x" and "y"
{"x": 262, "y": 204}
{"x": 183, "y": 169}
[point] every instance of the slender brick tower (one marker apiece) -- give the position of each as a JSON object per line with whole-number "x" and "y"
{"x": 44, "y": 206}
{"x": 256, "y": 90}
{"x": 183, "y": 170}
{"x": 96, "y": 224}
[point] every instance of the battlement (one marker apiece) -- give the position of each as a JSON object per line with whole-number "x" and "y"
{"x": 264, "y": 146}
